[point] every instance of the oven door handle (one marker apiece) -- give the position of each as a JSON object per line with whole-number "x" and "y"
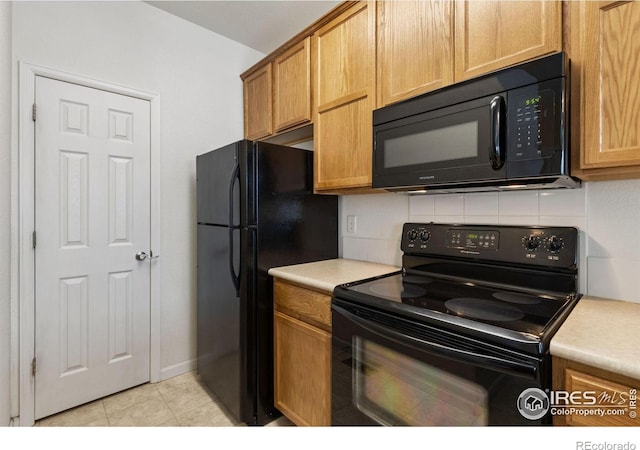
{"x": 466, "y": 356}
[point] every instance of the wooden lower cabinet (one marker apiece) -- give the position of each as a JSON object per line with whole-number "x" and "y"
{"x": 302, "y": 354}
{"x": 588, "y": 385}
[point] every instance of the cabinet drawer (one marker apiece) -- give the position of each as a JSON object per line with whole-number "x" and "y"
{"x": 607, "y": 392}
{"x": 303, "y": 304}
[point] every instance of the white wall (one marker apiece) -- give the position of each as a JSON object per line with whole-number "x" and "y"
{"x": 5, "y": 210}
{"x": 606, "y": 213}
{"x": 196, "y": 74}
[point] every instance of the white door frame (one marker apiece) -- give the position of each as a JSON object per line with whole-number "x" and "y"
{"x": 26, "y": 210}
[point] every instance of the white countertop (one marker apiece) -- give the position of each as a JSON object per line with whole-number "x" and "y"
{"x": 326, "y": 275}
{"x": 601, "y": 333}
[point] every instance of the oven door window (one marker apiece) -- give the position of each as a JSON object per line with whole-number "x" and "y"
{"x": 394, "y": 389}
{"x": 390, "y": 371}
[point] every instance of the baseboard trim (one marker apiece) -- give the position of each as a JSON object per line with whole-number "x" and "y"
{"x": 177, "y": 369}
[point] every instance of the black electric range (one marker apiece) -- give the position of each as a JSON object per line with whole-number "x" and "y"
{"x": 461, "y": 333}
{"x": 511, "y": 285}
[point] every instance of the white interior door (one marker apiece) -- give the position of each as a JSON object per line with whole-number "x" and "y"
{"x": 92, "y": 215}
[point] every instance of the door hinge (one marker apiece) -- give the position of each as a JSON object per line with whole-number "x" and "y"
{"x": 33, "y": 367}
{"x": 33, "y": 112}
{"x": 33, "y": 240}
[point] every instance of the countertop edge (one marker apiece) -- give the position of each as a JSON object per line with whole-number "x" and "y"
{"x": 608, "y": 345}
{"x": 584, "y": 356}
{"x": 326, "y": 275}
{"x": 301, "y": 281}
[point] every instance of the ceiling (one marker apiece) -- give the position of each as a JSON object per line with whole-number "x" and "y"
{"x": 261, "y": 25}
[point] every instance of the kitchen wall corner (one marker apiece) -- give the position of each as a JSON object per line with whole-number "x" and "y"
{"x": 613, "y": 262}
{"x": 5, "y": 213}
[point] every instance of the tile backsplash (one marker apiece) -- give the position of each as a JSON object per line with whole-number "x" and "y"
{"x": 606, "y": 213}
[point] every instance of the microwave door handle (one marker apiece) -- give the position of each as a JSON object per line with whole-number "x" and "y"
{"x": 497, "y": 147}
{"x": 486, "y": 361}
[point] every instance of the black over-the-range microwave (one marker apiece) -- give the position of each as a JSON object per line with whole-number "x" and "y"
{"x": 505, "y": 130}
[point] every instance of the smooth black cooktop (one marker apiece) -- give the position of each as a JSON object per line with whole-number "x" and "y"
{"x": 495, "y": 310}
{"x": 511, "y": 285}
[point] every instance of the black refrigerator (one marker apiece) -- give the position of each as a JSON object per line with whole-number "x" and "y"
{"x": 256, "y": 210}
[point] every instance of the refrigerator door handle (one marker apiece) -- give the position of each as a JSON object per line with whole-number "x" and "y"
{"x": 235, "y": 176}
{"x": 235, "y": 278}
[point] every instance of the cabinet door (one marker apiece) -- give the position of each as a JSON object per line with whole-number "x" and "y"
{"x": 302, "y": 356}
{"x": 415, "y": 48}
{"x": 588, "y": 387}
{"x": 610, "y": 396}
{"x": 258, "y": 116}
{"x": 610, "y": 92}
{"x": 344, "y": 91}
{"x": 292, "y": 86}
{"x": 490, "y": 35}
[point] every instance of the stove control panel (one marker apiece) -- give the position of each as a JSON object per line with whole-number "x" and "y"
{"x": 542, "y": 241}
{"x": 535, "y": 245}
{"x": 472, "y": 239}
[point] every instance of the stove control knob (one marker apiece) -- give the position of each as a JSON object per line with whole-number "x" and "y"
{"x": 554, "y": 244}
{"x": 531, "y": 242}
{"x": 412, "y": 235}
{"x": 424, "y": 236}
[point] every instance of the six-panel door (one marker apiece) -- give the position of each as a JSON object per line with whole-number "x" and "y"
{"x": 92, "y": 216}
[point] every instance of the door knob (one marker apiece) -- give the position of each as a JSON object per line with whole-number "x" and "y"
{"x": 141, "y": 256}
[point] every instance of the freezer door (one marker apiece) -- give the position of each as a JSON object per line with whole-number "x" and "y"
{"x": 218, "y": 186}
{"x": 294, "y": 225}
{"x": 220, "y": 344}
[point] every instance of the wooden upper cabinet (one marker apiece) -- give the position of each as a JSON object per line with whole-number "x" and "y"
{"x": 292, "y": 86}
{"x": 491, "y": 35}
{"x": 258, "y": 112}
{"x": 607, "y": 62}
{"x": 344, "y": 91}
{"x": 415, "y": 48}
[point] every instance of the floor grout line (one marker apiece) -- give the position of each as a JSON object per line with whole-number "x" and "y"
{"x": 173, "y": 414}
{"x": 105, "y": 413}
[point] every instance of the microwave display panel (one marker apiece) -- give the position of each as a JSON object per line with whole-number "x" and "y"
{"x": 534, "y": 126}
{"x": 440, "y": 144}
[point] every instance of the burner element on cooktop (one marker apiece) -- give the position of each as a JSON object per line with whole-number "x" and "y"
{"x": 515, "y": 297}
{"x": 391, "y": 291}
{"x": 413, "y": 279}
{"x": 476, "y": 308}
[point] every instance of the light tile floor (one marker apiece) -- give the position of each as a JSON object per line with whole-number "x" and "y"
{"x": 180, "y": 401}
